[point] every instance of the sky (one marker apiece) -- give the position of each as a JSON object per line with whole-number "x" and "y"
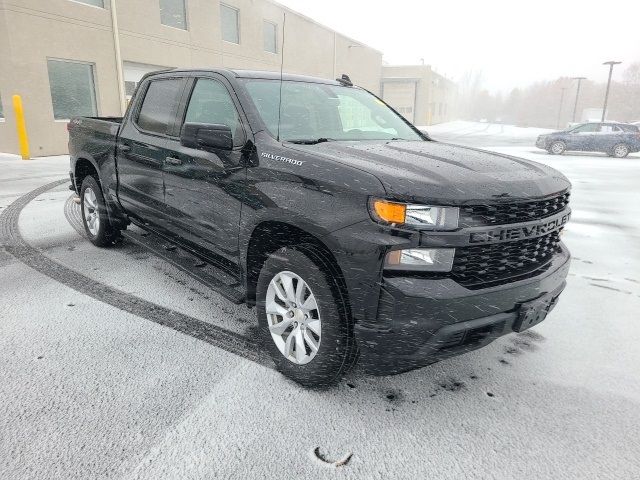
{"x": 513, "y": 43}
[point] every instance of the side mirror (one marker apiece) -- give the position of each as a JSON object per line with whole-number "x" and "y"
{"x": 206, "y": 136}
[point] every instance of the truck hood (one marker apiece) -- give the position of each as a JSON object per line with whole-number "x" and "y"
{"x": 438, "y": 172}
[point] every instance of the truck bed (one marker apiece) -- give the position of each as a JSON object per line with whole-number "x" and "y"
{"x": 95, "y": 136}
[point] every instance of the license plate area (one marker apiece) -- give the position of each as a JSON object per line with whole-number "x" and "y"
{"x": 532, "y": 313}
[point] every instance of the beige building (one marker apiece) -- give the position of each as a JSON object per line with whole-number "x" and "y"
{"x": 423, "y": 96}
{"x": 61, "y": 55}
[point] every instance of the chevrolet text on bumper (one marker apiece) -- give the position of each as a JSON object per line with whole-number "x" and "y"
{"x": 355, "y": 236}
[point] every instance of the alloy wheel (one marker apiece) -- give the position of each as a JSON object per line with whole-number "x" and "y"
{"x": 91, "y": 214}
{"x": 620, "y": 151}
{"x": 557, "y": 148}
{"x": 293, "y": 317}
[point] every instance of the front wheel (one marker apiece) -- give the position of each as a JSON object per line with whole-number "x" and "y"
{"x": 620, "y": 150}
{"x": 94, "y": 214}
{"x": 303, "y": 319}
{"x": 557, "y": 148}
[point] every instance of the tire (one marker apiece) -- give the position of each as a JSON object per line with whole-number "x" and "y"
{"x": 94, "y": 214}
{"x": 557, "y": 148}
{"x": 326, "y": 328}
{"x": 620, "y": 151}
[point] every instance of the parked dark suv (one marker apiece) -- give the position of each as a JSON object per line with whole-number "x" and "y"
{"x": 615, "y": 139}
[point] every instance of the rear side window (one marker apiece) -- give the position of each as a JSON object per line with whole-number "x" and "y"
{"x": 609, "y": 129}
{"x": 630, "y": 128}
{"x": 159, "y": 106}
{"x": 211, "y": 103}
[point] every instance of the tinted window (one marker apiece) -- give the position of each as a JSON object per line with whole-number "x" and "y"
{"x": 211, "y": 103}
{"x": 630, "y": 128}
{"x": 229, "y": 24}
{"x": 173, "y": 13}
{"x": 159, "y": 105}
{"x": 608, "y": 129}
{"x": 72, "y": 89}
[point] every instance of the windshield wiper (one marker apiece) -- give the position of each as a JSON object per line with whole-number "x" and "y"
{"x": 310, "y": 141}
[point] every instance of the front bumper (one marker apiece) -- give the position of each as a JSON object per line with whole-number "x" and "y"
{"x": 541, "y": 143}
{"x": 421, "y": 321}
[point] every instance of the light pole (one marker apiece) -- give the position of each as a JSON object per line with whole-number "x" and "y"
{"x": 560, "y": 109}
{"x": 575, "y": 106}
{"x": 606, "y": 95}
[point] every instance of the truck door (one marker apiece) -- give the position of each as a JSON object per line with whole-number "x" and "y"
{"x": 204, "y": 186}
{"x": 142, "y": 148}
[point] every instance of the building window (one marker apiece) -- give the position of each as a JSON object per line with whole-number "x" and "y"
{"x": 95, "y": 3}
{"x": 173, "y": 14}
{"x": 270, "y": 34}
{"x": 229, "y": 23}
{"x": 73, "y": 91}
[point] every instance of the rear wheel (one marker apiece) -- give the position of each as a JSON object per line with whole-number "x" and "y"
{"x": 303, "y": 320}
{"x": 94, "y": 214}
{"x": 557, "y": 148}
{"x": 620, "y": 151}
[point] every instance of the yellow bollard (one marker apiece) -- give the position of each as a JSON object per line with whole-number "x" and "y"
{"x": 21, "y": 127}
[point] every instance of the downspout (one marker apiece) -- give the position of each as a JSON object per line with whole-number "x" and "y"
{"x": 116, "y": 44}
{"x": 335, "y": 51}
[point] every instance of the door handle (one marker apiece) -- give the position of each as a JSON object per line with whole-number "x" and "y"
{"x": 173, "y": 161}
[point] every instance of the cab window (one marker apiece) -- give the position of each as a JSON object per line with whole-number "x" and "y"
{"x": 159, "y": 106}
{"x": 211, "y": 103}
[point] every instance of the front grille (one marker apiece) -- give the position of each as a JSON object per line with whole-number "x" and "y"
{"x": 502, "y": 214}
{"x": 487, "y": 265}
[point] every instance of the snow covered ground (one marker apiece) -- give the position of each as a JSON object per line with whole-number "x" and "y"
{"x": 88, "y": 390}
{"x": 490, "y": 134}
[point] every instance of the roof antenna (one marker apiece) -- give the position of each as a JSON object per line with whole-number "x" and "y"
{"x": 345, "y": 80}
{"x": 284, "y": 22}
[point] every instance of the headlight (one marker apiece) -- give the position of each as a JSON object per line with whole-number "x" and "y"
{"x": 421, "y": 216}
{"x": 423, "y": 259}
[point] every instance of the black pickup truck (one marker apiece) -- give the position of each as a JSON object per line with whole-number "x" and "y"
{"x": 355, "y": 236}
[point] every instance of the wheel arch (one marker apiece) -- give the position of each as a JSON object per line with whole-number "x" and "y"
{"x": 270, "y": 235}
{"x": 83, "y": 167}
{"x": 620, "y": 144}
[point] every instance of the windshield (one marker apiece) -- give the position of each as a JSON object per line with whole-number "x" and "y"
{"x": 315, "y": 111}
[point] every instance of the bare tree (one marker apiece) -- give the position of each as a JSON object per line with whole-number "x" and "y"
{"x": 539, "y": 104}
